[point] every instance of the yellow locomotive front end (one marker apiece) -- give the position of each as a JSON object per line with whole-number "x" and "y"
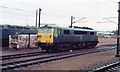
{"x": 45, "y": 37}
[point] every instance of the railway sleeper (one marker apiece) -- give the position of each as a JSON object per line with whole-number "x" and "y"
{"x": 46, "y": 60}
{"x": 17, "y": 56}
{"x": 5, "y": 57}
{"x": 10, "y": 67}
{"x": 32, "y": 63}
{"x": 23, "y": 65}
{"x": 18, "y": 65}
{"x": 29, "y": 64}
{"x": 12, "y": 57}
{"x": 7, "y": 64}
{"x": 35, "y": 63}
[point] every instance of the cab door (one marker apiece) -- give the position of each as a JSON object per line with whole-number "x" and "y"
{"x": 56, "y": 33}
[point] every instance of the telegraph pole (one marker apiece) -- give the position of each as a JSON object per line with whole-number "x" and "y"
{"x": 39, "y": 17}
{"x": 36, "y": 18}
{"x": 118, "y": 40}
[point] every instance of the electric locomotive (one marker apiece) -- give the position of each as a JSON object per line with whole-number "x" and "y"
{"x": 55, "y": 38}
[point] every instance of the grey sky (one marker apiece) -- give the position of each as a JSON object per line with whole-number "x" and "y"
{"x": 59, "y": 12}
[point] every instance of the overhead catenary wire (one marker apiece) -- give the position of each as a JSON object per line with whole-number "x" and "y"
{"x": 55, "y": 15}
{"x": 37, "y": 7}
{"x": 43, "y": 12}
{"x": 18, "y": 9}
{"x": 113, "y": 1}
{"x": 19, "y": 14}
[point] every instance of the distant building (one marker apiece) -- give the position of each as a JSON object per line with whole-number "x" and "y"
{"x": 109, "y": 35}
{"x": 105, "y": 34}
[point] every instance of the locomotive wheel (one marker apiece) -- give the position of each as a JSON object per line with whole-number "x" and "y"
{"x": 84, "y": 45}
{"x": 47, "y": 50}
{"x": 51, "y": 49}
{"x": 15, "y": 48}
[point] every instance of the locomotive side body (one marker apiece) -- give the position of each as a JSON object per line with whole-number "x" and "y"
{"x": 66, "y": 38}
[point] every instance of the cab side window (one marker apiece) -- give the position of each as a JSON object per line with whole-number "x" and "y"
{"x": 80, "y": 32}
{"x": 66, "y": 32}
{"x": 56, "y": 31}
{"x": 92, "y": 33}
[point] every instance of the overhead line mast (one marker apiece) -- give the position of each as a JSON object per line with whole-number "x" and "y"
{"x": 118, "y": 38}
{"x": 36, "y": 18}
{"x": 39, "y": 17}
{"x": 72, "y": 22}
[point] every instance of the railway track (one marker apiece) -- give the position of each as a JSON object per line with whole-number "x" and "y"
{"x": 14, "y": 56}
{"x": 114, "y": 67}
{"x": 8, "y": 57}
{"x": 37, "y": 61}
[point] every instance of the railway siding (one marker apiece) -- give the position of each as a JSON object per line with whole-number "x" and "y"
{"x": 76, "y": 63}
{"x": 29, "y": 62}
{"x": 109, "y": 67}
{"x": 103, "y": 65}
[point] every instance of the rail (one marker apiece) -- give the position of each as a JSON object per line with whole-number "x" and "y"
{"x": 14, "y": 56}
{"x": 109, "y": 68}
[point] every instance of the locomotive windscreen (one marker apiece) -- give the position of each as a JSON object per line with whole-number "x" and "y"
{"x": 45, "y": 30}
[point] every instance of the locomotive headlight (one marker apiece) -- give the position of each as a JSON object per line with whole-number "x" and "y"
{"x": 50, "y": 36}
{"x": 38, "y": 36}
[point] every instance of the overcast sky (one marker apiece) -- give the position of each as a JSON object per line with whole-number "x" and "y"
{"x": 22, "y": 12}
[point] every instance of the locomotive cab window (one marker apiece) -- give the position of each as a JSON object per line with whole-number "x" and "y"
{"x": 45, "y": 30}
{"x": 66, "y": 32}
{"x": 56, "y": 31}
{"x": 91, "y": 33}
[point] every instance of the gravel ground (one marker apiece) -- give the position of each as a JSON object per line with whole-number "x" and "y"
{"x": 101, "y": 64}
{"x": 84, "y": 62}
{"x": 106, "y": 41}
